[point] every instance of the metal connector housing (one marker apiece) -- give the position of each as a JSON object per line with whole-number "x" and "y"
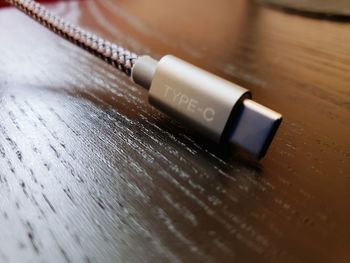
{"x": 200, "y": 99}
{"x": 219, "y": 109}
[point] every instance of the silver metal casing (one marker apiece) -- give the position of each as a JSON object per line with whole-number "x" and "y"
{"x": 195, "y": 96}
{"x": 215, "y": 107}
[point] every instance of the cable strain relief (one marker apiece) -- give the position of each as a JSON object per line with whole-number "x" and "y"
{"x": 143, "y": 71}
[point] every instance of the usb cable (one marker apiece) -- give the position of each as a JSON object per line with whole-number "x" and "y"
{"x": 219, "y": 109}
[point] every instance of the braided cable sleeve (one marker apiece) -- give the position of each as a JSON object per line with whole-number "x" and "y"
{"x": 113, "y": 54}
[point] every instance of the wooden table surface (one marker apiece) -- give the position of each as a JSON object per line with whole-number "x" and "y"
{"x": 89, "y": 172}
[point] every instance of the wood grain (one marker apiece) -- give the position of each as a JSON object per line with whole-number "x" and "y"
{"x": 89, "y": 172}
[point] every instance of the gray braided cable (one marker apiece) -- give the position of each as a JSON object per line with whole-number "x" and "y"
{"x": 111, "y": 53}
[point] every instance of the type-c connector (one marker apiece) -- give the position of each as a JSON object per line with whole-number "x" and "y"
{"x": 254, "y": 127}
{"x": 219, "y": 109}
